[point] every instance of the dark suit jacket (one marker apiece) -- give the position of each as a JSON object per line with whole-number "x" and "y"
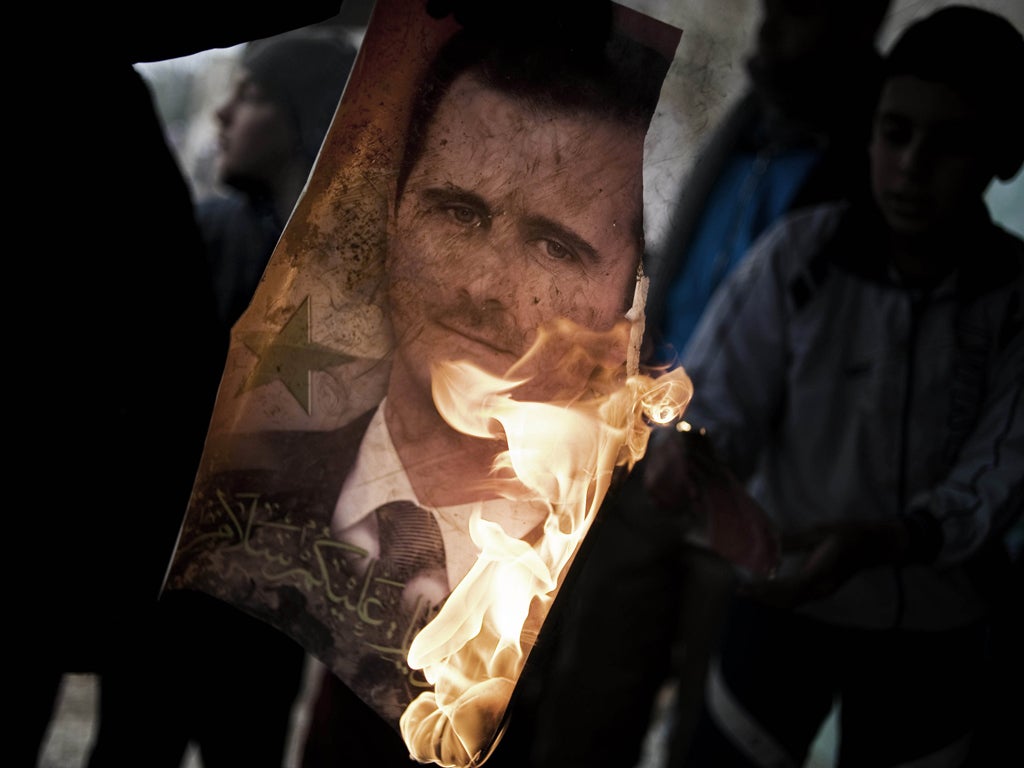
{"x": 257, "y": 535}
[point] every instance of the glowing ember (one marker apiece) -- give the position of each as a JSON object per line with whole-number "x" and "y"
{"x": 562, "y": 453}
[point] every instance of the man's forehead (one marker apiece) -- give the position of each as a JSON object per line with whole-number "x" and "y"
{"x": 489, "y": 125}
{"x": 470, "y": 95}
{"x": 913, "y": 97}
{"x": 245, "y": 81}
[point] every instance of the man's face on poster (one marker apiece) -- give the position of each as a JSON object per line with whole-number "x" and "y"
{"x": 512, "y": 217}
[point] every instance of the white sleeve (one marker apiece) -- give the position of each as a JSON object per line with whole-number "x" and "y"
{"x": 983, "y": 494}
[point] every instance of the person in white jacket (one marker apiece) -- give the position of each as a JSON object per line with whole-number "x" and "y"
{"x": 861, "y": 373}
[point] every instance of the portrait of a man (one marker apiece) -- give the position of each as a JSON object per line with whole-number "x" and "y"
{"x": 508, "y": 243}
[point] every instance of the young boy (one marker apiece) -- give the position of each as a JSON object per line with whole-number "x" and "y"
{"x": 862, "y": 373}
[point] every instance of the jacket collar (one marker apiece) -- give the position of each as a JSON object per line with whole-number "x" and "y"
{"x": 986, "y": 257}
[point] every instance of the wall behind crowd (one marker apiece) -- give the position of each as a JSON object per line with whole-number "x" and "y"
{"x": 705, "y": 78}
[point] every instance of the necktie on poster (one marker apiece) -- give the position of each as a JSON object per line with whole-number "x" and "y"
{"x": 453, "y": 317}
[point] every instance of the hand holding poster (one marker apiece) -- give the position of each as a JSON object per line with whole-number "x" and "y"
{"x": 429, "y": 397}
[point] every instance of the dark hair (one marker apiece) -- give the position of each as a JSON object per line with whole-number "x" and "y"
{"x": 569, "y": 68}
{"x": 980, "y": 55}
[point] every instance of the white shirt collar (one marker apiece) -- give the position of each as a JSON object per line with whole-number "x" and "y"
{"x": 377, "y": 477}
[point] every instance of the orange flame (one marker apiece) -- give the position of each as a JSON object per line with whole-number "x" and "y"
{"x": 563, "y": 452}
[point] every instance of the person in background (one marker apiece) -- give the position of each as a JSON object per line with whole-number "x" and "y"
{"x": 861, "y": 372}
{"x": 796, "y": 136}
{"x": 270, "y": 129}
{"x": 117, "y": 401}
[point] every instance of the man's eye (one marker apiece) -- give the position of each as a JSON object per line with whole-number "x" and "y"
{"x": 894, "y": 133}
{"x": 958, "y": 140}
{"x": 556, "y": 250}
{"x": 464, "y": 215}
{"x": 252, "y": 94}
{"x": 896, "y": 137}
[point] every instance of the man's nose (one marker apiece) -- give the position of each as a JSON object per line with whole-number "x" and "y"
{"x": 490, "y": 276}
{"x": 222, "y": 115}
{"x": 914, "y": 157}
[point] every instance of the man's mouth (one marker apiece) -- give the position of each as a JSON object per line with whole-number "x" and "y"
{"x": 496, "y": 343}
{"x": 907, "y": 204}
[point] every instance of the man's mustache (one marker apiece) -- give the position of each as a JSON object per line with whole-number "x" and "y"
{"x": 488, "y": 322}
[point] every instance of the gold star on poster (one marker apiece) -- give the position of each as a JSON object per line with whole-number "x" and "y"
{"x": 290, "y": 356}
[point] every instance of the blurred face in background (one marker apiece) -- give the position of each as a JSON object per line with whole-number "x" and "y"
{"x": 928, "y": 156}
{"x": 255, "y": 137}
{"x": 510, "y": 218}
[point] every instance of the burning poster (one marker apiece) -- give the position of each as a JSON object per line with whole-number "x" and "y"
{"x": 436, "y": 381}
